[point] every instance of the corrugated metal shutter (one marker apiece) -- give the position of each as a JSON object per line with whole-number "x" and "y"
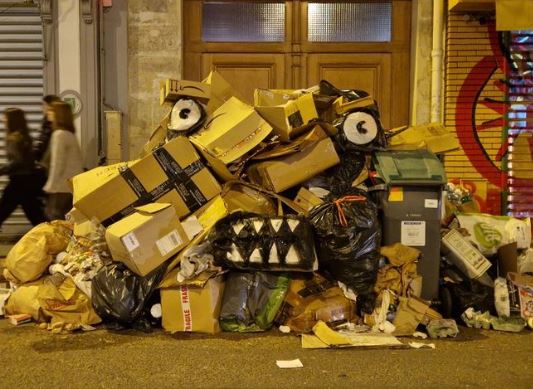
{"x": 520, "y": 125}
{"x": 21, "y": 82}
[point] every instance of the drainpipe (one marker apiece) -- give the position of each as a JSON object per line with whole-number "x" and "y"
{"x": 436, "y": 61}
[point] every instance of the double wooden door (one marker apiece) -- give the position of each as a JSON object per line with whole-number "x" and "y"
{"x": 295, "y": 44}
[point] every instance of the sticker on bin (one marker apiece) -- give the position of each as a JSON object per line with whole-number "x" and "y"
{"x": 413, "y": 233}
{"x": 431, "y": 203}
{"x": 168, "y": 242}
{"x": 130, "y": 241}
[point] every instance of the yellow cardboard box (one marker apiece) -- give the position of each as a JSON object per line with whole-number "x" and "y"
{"x": 341, "y": 105}
{"x": 288, "y": 113}
{"x": 191, "y": 306}
{"x": 221, "y": 91}
{"x": 233, "y": 130}
{"x": 310, "y": 154}
{"x": 434, "y": 137}
{"x": 172, "y": 90}
{"x": 146, "y": 238}
{"x": 306, "y": 199}
{"x": 171, "y": 174}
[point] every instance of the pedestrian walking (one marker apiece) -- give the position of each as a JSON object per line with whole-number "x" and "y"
{"x": 42, "y": 140}
{"x": 25, "y": 181}
{"x": 65, "y": 161}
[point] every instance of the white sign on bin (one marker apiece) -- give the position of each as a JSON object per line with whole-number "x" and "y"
{"x": 465, "y": 256}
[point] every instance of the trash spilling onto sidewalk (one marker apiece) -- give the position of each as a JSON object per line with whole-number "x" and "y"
{"x": 200, "y": 233}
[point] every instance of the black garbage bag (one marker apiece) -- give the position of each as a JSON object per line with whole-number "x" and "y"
{"x": 247, "y": 241}
{"x": 339, "y": 178}
{"x": 121, "y": 297}
{"x": 326, "y": 88}
{"x": 347, "y": 238}
{"x": 251, "y": 301}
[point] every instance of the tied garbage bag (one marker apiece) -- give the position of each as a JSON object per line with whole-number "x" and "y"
{"x": 341, "y": 177}
{"x": 246, "y": 241}
{"x": 347, "y": 237}
{"x": 62, "y": 302}
{"x": 34, "y": 252}
{"x": 121, "y": 296}
{"x": 251, "y": 301}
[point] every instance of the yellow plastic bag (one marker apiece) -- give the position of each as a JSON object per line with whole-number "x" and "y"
{"x": 33, "y": 253}
{"x": 24, "y": 300}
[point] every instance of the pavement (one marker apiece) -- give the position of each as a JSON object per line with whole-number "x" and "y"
{"x": 32, "y": 357}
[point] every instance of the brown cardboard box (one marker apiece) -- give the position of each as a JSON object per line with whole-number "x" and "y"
{"x": 234, "y": 129}
{"x": 341, "y": 105}
{"x": 521, "y": 294}
{"x": 221, "y": 91}
{"x": 434, "y": 137}
{"x": 157, "y": 138}
{"x": 507, "y": 259}
{"x": 315, "y": 154}
{"x": 172, "y": 90}
{"x": 287, "y": 112}
{"x": 146, "y": 238}
{"x": 307, "y": 199}
{"x": 171, "y": 174}
{"x": 192, "y": 306}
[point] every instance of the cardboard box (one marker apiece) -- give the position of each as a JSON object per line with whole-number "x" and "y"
{"x": 286, "y": 112}
{"x": 234, "y": 129}
{"x": 464, "y": 255}
{"x": 146, "y": 238}
{"x": 507, "y": 259}
{"x": 341, "y": 105}
{"x": 191, "y": 306}
{"x": 521, "y": 294}
{"x": 221, "y": 91}
{"x": 307, "y": 200}
{"x": 82, "y": 225}
{"x": 434, "y": 137}
{"x": 171, "y": 174}
{"x": 172, "y": 90}
{"x": 309, "y": 155}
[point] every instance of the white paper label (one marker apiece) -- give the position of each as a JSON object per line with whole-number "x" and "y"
{"x": 431, "y": 203}
{"x": 130, "y": 241}
{"x": 168, "y": 242}
{"x": 186, "y": 309}
{"x": 192, "y": 226}
{"x": 413, "y": 233}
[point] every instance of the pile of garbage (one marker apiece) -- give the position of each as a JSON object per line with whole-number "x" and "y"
{"x": 284, "y": 213}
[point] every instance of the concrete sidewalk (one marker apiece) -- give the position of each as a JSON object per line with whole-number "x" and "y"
{"x": 36, "y": 358}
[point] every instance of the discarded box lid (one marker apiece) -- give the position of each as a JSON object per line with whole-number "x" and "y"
{"x": 410, "y": 167}
{"x": 172, "y": 90}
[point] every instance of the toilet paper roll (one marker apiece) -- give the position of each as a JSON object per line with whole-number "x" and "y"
{"x": 185, "y": 115}
{"x": 360, "y": 128}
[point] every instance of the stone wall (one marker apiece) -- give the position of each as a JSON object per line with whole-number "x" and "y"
{"x": 154, "y": 53}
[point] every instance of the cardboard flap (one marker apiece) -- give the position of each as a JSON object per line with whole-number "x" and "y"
{"x": 152, "y": 208}
{"x": 171, "y": 279}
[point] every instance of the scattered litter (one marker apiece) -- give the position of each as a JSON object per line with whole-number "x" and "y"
{"x": 289, "y": 364}
{"x": 418, "y": 345}
{"x": 442, "y": 328}
{"x": 19, "y": 319}
{"x": 284, "y": 329}
{"x": 421, "y": 335}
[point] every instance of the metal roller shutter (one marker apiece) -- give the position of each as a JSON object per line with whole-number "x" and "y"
{"x": 21, "y": 83}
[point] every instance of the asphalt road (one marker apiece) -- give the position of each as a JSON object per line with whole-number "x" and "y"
{"x": 130, "y": 359}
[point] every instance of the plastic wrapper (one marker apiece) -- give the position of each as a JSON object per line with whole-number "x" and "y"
{"x": 33, "y": 253}
{"x": 348, "y": 237}
{"x": 251, "y": 301}
{"x": 246, "y": 241}
{"x": 489, "y": 232}
{"x": 121, "y": 296}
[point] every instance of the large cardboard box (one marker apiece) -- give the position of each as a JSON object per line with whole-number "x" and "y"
{"x": 171, "y": 174}
{"x": 172, "y": 90}
{"x": 464, "y": 255}
{"x": 521, "y": 294}
{"x": 146, "y": 238}
{"x": 191, "y": 306}
{"x": 288, "y": 113}
{"x": 304, "y": 158}
{"x": 233, "y": 130}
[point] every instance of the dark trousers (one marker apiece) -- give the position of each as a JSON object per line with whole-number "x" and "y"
{"x": 24, "y": 190}
{"x": 58, "y": 205}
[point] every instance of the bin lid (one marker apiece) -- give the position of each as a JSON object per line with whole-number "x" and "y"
{"x": 409, "y": 167}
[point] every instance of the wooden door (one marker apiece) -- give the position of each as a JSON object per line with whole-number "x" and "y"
{"x": 297, "y": 60}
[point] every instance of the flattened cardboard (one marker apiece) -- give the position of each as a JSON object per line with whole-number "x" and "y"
{"x": 221, "y": 91}
{"x": 341, "y": 105}
{"x": 287, "y": 171}
{"x": 146, "y": 238}
{"x": 307, "y": 199}
{"x": 158, "y": 136}
{"x": 171, "y": 174}
{"x": 286, "y": 111}
{"x": 233, "y": 130}
{"x": 191, "y": 306}
{"x": 172, "y": 90}
{"x": 434, "y": 137}
{"x": 507, "y": 259}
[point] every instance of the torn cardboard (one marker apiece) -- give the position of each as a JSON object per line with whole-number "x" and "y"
{"x": 434, "y": 137}
{"x": 172, "y": 90}
{"x": 233, "y": 130}
{"x": 507, "y": 259}
{"x": 314, "y": 152}
{"x": 410, "y": 313}
{"x": 171, "y": 174}
{"x": 286, "y": 111}
{"x": 341, "y": 105}
{"x": 191, "y": 306}
{"x": 307, "y": 200}
{"x": 221, "y": 91}
{"x": 146, "y": 238}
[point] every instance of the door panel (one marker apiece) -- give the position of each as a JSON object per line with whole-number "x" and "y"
{"x": 369, "y": 72}
{"x": 246, "y": 74}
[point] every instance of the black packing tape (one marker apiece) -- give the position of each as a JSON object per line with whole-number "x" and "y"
{"x": 179, "y": 179}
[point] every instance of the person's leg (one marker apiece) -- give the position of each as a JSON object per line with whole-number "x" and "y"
{"x": 31, "y": 201}
{"x": 58, "y": 205}
{"x": 9, "y": 200}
